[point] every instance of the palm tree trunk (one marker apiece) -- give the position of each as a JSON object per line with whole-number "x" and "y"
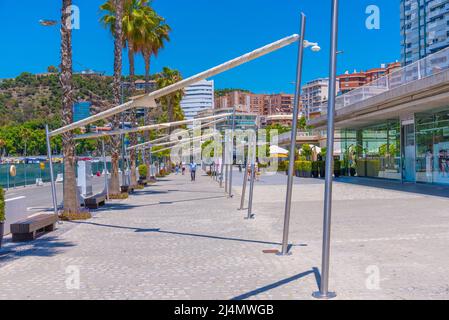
{"x": 118, "y": 44}
{"x": 147, "y": 58}
{"x": 132, "y": 116}
{"x": 71, "y": 204}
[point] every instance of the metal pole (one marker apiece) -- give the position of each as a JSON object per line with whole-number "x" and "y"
{"x": 105, "y": 165}
{"x": 222, "y": 165}
{"x": 245, "y": 179}
{"x": 226, "y": 177}
{"x": 25, "y": 163}
{"x": 324, "y": 285}
{"x": 150, "y": 155}
{"x": 232, "y": 152}
{"x": 291, "y": 164}
{"x": 53, "y": 185}
{"x": 252, "y": 177}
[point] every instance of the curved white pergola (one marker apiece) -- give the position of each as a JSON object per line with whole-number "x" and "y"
{"x": 149, "y": 100}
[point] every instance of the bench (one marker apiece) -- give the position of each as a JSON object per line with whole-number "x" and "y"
{"x": 27, "y": 229}
{"x": 95, "y": 202}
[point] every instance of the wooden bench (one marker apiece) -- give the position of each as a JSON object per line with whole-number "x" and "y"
{"x": 95, "y": 202}
{"x": 27, "y": 229}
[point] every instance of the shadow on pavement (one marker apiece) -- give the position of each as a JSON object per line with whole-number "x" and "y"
{"x": 280, "y": 283}
{"x": 417, "y": 188}
{"x": 46, "y": 246}
{"x": 158, "y": 230}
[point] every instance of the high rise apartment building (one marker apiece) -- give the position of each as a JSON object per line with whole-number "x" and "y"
{"x": 424, "y": 28}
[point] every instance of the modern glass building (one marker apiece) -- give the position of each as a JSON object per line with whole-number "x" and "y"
{"x": 424, "y": 28}
{"x": 397, "y": 127}
{"x": 412, "y": 150}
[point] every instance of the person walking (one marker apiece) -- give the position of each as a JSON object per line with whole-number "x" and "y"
{"x": 193, "y": 171}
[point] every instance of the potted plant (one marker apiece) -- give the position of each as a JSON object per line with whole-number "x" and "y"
{"x": 298, "y": 168}
{"x": 143, "y": 170}
{"x": 315, "y": 169}
{"x": 307, "y": 168}
{"x": 337, "y": 168}
{"x": 352, "y": 171}
{"x": 2, "y": 214}
{"x": 322, "y": 166}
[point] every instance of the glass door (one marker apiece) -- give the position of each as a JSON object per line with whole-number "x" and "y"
{"x": 408, "y": 153}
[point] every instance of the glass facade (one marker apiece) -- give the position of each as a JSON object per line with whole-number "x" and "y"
{"x": 416, "y": 151}
{"x": 372, "y": 151}
{"x": 432, "y": 147}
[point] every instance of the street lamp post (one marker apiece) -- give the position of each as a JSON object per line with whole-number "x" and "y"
{"x": 324, "y": 284}
{"x": 302, "y": 44}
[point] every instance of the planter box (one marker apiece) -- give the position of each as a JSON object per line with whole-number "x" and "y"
{"x": 307, "y": 174}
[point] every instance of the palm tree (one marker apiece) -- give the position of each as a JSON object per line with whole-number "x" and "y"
{"x": 137, "y": 18}
{"x": 117, "y": 29}
{"x": 71, "y": 205}
{"x": 165, "y": 78}
{"x": 172, "y": 101}
{"x": 154, "y": 41}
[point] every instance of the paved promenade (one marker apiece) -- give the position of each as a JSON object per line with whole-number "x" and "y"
{"x": 183, "y": 240}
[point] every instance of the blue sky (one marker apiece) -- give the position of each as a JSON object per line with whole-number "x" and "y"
{"x": 206, "y": 33}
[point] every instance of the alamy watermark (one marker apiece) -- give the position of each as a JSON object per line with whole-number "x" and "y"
{"x": 372, "y": 22}
{"x": 73, "y": 17}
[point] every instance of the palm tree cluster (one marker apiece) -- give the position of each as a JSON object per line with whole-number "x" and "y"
{"x": 143, "y": 32}
{"x": 136, "y": 27}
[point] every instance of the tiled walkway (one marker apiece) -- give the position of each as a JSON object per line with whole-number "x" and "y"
{"x": 183, "y": 240}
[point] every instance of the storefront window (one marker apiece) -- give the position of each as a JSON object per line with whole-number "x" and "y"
{"x": 373, "y": 151}
{"x": 432, "y": 149}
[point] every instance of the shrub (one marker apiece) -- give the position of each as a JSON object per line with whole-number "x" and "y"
{"x": 281, "y": 166}
{"x": 315, "y": 169}
{"x": 368, "y": 168}
{"x": 298, "y": 165}
{"x": 337, "y": 168}
{"x": 143, "y": 171}
{"x": 2, "y": 205}
{"x": 322, "y": 167}
{"x": 307, "y": 151}
{"x": 307, "y": 166}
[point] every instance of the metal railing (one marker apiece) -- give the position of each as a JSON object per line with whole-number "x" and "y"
{"x": 428, "y": 66}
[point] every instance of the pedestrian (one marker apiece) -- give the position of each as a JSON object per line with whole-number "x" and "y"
{"x": 193, "y": 171}
{"x": 177, "y": 169}
{"x": 183, "y": 168}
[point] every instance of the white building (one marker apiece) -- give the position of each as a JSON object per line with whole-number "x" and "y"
{"x": 314, "y": 94}
{"x": 198, "y": 97}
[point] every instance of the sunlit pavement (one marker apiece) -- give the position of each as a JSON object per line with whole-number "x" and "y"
{"x": 183, "y": 240}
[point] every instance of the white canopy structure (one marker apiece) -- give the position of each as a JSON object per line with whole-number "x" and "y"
{"x": 149, "y": 100}
{"x": 277, "y": 150}
{"x": 148, "y": 128}
{"x": 151, "y": 143}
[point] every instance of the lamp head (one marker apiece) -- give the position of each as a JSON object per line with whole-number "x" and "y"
{"x": 316, "y": 48}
